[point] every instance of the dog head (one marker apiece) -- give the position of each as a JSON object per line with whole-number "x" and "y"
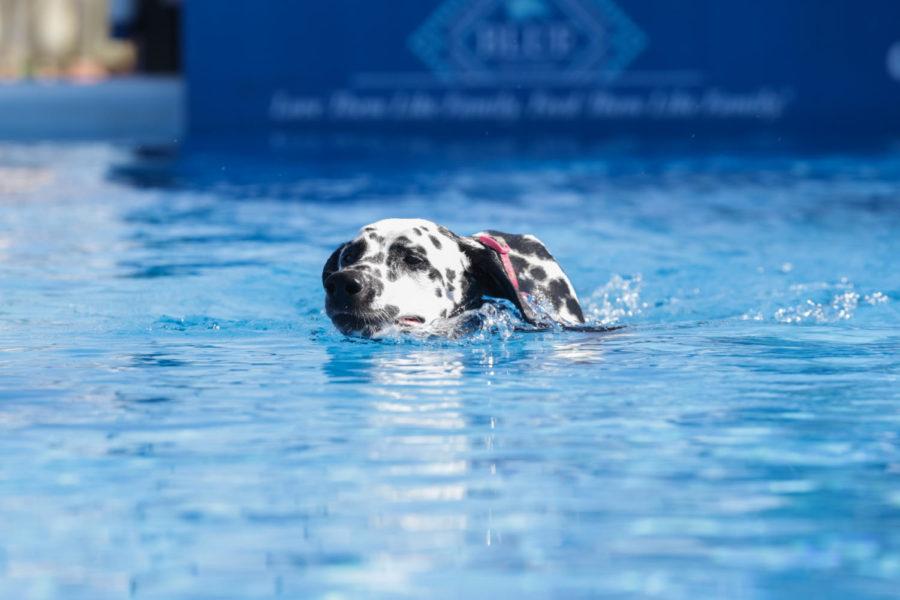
{"x": 408, "y": 273}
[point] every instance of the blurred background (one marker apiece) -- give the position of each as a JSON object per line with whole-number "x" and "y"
{"x": 154, "y": 69}
{"x": 88, "y": 40}
{"x": 90, "y": 69}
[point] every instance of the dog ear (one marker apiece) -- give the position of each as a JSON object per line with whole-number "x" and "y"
{"x": 487, "y": 268}
{"x": 331, "y": 265}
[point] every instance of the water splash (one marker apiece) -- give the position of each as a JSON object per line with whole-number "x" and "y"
{"x": 842, "y": 304}
{"x": 618, "y": 298}
{"x": 497, "y": 319}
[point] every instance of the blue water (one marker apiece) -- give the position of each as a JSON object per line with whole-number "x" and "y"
{"x": 178, "y": 418}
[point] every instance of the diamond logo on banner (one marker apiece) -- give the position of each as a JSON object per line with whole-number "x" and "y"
{"x": 528, "y": 41}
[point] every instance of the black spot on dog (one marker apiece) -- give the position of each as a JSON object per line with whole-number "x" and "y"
{"x": 559, "y": 291}
{"x": 524, "y": 245}
{"x": 451, "y": 274}
{"x": 392, "y": 275}
{"x": 435, "y": 241}
{"x": 391, "y": 310}
{"x": 526, "y": 285}
{"x": 417, "y": 230}
{"x": 373, "y": 237}
{"x": 575, "y": 309}
{"x": 369, "y": 229}
{"x": 446, "y": 232}
{"x": 395, "y": 253}
{"x": 374, "y": 288}
{"x": 444, "y": 314}
{"x": 439, "y": 292}
{"x": 435, "y": 275}
{"x": 520, "y": 264}
{"x": 539, "y": 273}
{"x": 535, "y": 249}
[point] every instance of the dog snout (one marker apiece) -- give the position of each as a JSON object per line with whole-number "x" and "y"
{"x": 345, "y": 287}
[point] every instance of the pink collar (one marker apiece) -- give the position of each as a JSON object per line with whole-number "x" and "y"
{"x": 503, "y": 250}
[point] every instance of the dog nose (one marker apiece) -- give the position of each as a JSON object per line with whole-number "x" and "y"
{"x": 343, "y": 286}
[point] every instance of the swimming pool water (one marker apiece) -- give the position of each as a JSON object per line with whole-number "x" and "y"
{"x": 178, "y": 419}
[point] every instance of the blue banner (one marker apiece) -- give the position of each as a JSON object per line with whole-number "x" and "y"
{"x": 543, "y": 65}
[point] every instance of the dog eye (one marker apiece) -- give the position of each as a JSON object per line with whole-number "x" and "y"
{"x": 412, "y": 260}
{"x": 350, "y": 256}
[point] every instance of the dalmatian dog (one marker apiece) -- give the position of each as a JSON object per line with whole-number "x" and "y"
{"x": 412, "y": 274}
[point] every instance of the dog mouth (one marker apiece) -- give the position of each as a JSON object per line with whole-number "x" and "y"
{"x": 410, "y": 320}
{"x": 369, "y": 323}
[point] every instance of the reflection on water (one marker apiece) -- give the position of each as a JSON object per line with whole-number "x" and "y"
{"x": 420, "y": 368}
{"x": 420, "y": 439}
{"x": 586, "y": 351}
